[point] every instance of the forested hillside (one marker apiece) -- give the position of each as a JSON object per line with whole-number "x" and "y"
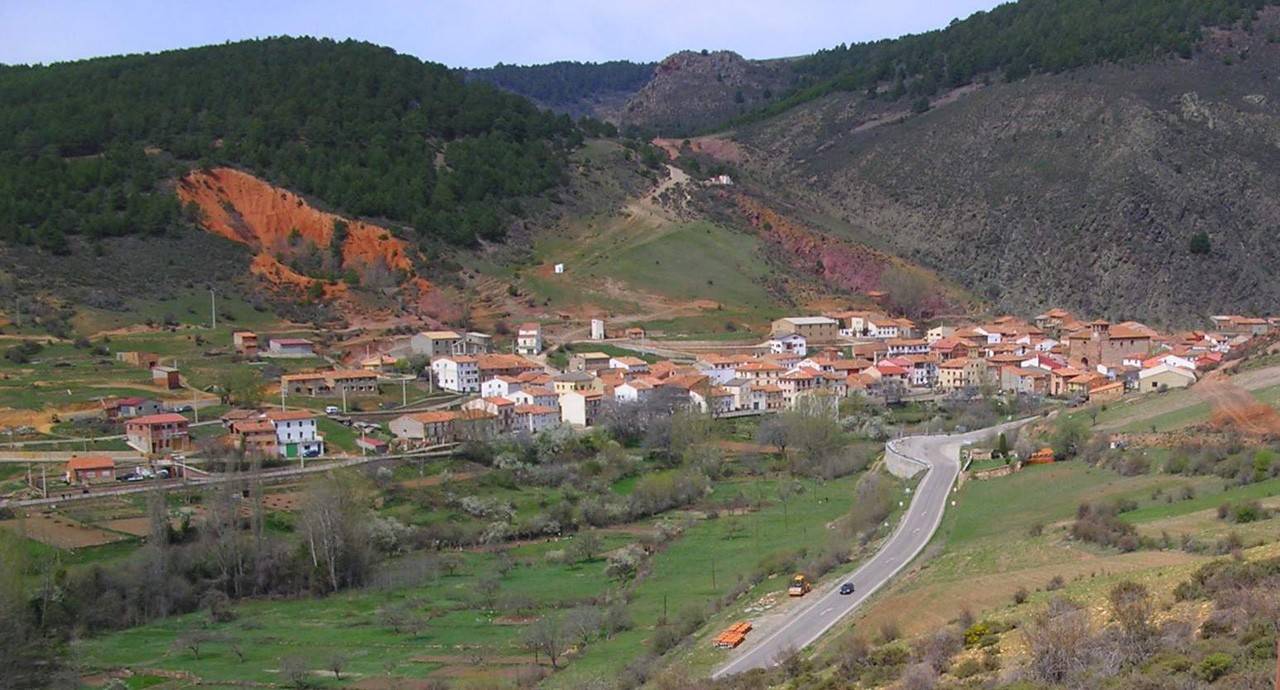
{"x": 566, "y": 86}
{"x": 1012, "y": 41}
{"x": 88, "y": 147}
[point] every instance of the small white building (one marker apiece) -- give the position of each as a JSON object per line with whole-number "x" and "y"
{"x": 580, "y": 408}
{"x": 632, "y": 391}
{"x": 543, "y": 397}
{"x": 529, "y": 339}
{"x": 597, "y": 329}
{"x": 296, "y": 433}
{"x": 500, "y": 387}
{"x": 457, "y": 373}
{"x": 559, "y": 268}
{"x": 791, "y": 344}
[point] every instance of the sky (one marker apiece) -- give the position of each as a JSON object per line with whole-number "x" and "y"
{"x": 469, "y": 34}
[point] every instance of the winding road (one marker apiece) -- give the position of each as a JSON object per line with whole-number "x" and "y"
{"x": 825, "y": 606}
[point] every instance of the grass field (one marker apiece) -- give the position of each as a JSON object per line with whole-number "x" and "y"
{"x": 466, "y": 637}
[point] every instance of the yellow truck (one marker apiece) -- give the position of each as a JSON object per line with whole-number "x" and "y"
{"x": 800, "y": 585}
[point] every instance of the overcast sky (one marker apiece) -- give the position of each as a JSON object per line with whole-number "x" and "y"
{"x": 469, "y": 34}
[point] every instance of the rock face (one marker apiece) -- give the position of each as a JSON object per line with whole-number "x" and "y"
{"x": 294, "y": 242}
{"x": 690, "y": 91}
{"x": 1080, "y": 190}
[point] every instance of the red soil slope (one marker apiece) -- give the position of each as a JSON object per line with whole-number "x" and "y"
{"x": 245, "y": 209}
{"x": 853, "y": 267}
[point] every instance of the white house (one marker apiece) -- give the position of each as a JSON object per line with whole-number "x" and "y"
{"x": 632, "y": 391}
{"x": 457, "y": 373}
{"x": 296, "y": 435}
{"x": 529, "y": 339}
{"x": 500, "y": 387}
{"x": 792, "y": 343}
{"x": 580, "y": 408}
{"x": 543, "y": 397}
{"x": 881, "y": 328}
{"x": 597, "y": 329}
{"x": 631, "y": 365}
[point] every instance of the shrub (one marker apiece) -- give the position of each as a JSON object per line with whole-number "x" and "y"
{"x": 1214, "y": 666}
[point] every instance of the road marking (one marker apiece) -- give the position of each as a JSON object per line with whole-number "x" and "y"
{"x": 826, "y": 611}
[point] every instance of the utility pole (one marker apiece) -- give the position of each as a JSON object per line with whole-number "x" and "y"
{"x": 195, "y": 405}
{"x": 404, "y": 392}
{"x": 282, "y": 389}
{"x": 344, "y": 398}
{"x": 213, "y": 310}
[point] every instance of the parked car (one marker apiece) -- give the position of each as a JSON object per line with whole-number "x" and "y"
{"x": 847, "y": 588}
{"x": 331, "y": 409}
{"x": 311, "y": 453}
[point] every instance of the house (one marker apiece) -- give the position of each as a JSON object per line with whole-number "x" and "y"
{"x": 581, "y": 408}
{"x": 637, "y": 390}
{"x": 436, "y": 343}
{"x": 255, "y": 435}
{"x": 773, "y": 396}
{"x": 1107, "y": 392}
{"x": 536, "y": 395}
{"x": 125, "y": 408}
{"x": 378, "y": 363}
{"x": 425, "y": 428}
{"x": 635, "y": 333}
{"x": 457, "y": 373}
{"x": 500, "y": 386}
{"x": 1164, "y": 376}
{"x": 502, "y": 409}
{"x": 761, "y": 371}
{"x": 882, "y": 327}
{"x": 157, "y": 434}
{"x": 597, "y": 329}
{"x": 716, "y": 401}
{"x": 529, "y": 339}
{"x": 905, "y": 346}
{"x": 330, "y": 383}
{"x": 1053, "y": 319}
{"x": 291, "y": 347}
{"x": 535, "y": 418}
{"x": 631, "y": 365}
{"x": 589, "y": 361}
{"x": 142, "y": 360}
{"x": 812, "y": 328}
{"x": 491, "y": 365}
{"x": 572, "y": 381}
{"x": 937, "y": 333}
{"x": 1024, "y": 381}
{"x": 955, "y": 374}
{"x": 296, "y": 433}
{"x": 788, "y": 344}
{"x": 245, "y": 343}
{"x": 90, "y": 469}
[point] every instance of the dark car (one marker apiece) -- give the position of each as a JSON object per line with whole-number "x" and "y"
{"x": 846, "y": 588}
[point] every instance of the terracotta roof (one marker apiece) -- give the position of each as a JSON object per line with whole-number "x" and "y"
{"x": 165, "y": 418}
{"x": 498, "y": 400}
{"x": 289, "y": 415}
{"x": 535, "y": 409}
{"x": 434, "y": 417}
{"x": 90, "y": 462}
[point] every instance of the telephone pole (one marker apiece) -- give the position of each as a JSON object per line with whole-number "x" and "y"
{"x": 213, "y": 310}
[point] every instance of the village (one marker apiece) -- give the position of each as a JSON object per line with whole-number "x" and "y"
{"x": 481, "y": 393}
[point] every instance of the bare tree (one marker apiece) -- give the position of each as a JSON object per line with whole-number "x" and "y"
{"x": 332, "y": 522}
{"x": 295, "y": 669}
{"x": 547, "y": 636}
{"x": 584, "y": 623}
{"x": 337, "y": 662}
{"x": 1058, "y": 641}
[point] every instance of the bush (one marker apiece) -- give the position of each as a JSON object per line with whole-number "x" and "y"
{"x": 1214, "y": 666}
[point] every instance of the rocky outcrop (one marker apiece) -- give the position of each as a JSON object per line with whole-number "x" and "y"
{"x": 693, "y": 90}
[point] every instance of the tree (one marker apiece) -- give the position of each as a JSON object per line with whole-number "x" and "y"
{"x": 332, "y": 522}
{"x": 195, "y": 640}
{"x": 244, "y": 387}
{"x": 1002, "y": 446}
{"x": 585, "y": 546}
{"x": 547, "y": 636}
{"x": 774, "y": 431}
{"x": 295, "y": 669}
{"x": 337, "y": 662}
{"x": 1200, "y": 244}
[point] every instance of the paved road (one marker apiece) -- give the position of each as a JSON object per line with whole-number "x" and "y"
{"x": 825, "y": 606}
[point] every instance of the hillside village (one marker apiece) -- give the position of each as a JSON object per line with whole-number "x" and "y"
{"x": 807, "y": 359}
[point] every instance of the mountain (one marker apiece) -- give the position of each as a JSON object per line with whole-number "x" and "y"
{"x": 692, "y": 91}
{"x": 89, "y": 148}
{"x": 595, "y": 89}
{"x": 1095, "y": 188}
